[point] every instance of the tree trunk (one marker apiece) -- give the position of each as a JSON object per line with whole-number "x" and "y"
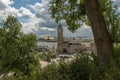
{"x": 101, "y": 36}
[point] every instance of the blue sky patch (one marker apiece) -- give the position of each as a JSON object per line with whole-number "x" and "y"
{"x": 19, "y": 3}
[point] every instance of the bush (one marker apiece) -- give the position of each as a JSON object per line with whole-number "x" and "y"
{"x": 83, "y": 67}
{"x": 47, "y": 56}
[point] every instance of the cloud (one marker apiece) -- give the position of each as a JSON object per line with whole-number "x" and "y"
{"x": 31, "y": 25}
{"x": 37, "y": 6}
{"x": 81, "y": 32}
{"x": 6, "y": 9}
{"x": 46, "y": 28}
{"x": 5, "y": 4}
{"x": 37, "y": 19}
{"x": 46, "y": 25}
{"x": 25, "y": 13}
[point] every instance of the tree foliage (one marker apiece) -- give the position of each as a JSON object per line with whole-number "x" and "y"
{"x": 74, "y": 14}
{"x": 113, "y": 24}
{"x": 82, "y": 67}
{"x": 16, "y": 48}
{"x": 70, "y": 11}
{"x": 112, "y": 18}
{"x": 47, "y": 55}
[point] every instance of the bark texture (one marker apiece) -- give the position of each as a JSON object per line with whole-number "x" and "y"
{"x": 101, "y": 36}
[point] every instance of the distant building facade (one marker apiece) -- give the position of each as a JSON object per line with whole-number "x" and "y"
{"x": 70, "y": 47}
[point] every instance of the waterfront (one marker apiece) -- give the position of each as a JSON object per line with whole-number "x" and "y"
{"x": 47, "y": 44}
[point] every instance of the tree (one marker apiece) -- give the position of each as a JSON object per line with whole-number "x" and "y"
{"x": 77, "y": 12}
{"x": 17, "y": 49}
{"x": 101, "y": 35}
{"x": 112, "y": 18}
{"x": 113, "y": 22}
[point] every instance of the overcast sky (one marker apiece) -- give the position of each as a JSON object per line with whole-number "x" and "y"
{"x": 35, "y": 17}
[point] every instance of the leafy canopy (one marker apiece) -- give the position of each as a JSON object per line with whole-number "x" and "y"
{"x": 69, "y": 10}
{"x": 74, "y": 14}
{"x": 17, "y": 49}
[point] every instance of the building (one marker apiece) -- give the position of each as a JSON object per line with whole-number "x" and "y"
{"x": 48, "y": 38}
{"x": 71, "y": 46}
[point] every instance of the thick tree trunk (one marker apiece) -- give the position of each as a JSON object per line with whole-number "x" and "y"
{"x": 101, "y": 36}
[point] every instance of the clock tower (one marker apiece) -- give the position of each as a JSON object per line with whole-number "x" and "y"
{"x": 60, "y": 34}
{"x": 59, "y": 39}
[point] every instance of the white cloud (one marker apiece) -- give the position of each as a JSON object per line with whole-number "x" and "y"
{"x": 30, "y": 26}
{"x": 37, "y": 6}
{"x": 37, "y": 24}
{"x": 45, "y": 25}
{"x": 46, "y": 28}
{"x": 6, "y": 9}
{"x": 6, "y": 12}
{"x": 81, "y": 32}
{"x": 5, "y": 4}
{"x": 24, "y": 12}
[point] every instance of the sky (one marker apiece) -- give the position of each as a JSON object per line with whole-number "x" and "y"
{"x": 35, "y": 17}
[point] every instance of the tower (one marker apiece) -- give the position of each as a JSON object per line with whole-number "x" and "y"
{"x": 60, "y": 34}
{"x": 60, "y": 39}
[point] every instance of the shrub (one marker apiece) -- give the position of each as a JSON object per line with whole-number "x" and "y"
{"x": 83, "y": 67}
